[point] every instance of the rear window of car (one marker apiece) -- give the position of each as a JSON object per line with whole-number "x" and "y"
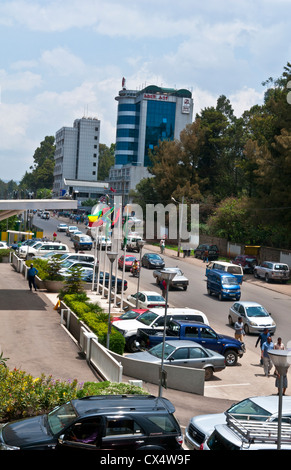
{"x": 281, "y": 267}
{"x": 163, "y": 423}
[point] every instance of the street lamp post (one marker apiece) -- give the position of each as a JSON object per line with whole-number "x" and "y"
{"x": 180, "y": 223}
{"x": 167, "y": 276}
{"x": 112, "y": 257}
{"x": 140, "y": 244}
{"x": 281, "y": 359}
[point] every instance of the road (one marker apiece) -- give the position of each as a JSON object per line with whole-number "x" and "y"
{"x": 247, "y": 378}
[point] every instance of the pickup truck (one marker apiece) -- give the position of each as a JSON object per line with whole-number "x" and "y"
{"x": 179, "y": 279}
{"x": 201, "y": 333}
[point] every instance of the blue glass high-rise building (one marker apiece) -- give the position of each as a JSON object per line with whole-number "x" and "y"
{"x": 144, "y": 118}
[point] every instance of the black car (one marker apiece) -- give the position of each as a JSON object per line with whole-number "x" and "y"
{"x": 89, "y": 278}
{"x": 109, "y": 422}
{"x": 152, "y": 260}
{"x": 213, "y": 251}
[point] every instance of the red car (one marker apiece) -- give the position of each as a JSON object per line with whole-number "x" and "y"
{"x": 128, "y": 262}
{"x": 247, "y": 262}
{"x": 130, "y": 314}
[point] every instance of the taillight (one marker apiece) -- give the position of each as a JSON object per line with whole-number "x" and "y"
{"x": 201, "y": 446}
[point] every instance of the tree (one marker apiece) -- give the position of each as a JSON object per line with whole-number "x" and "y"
{"x": 106, "y": 161}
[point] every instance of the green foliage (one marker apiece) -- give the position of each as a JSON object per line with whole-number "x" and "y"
{"x": 73, "y": 284}
{"x": 23, "y": 396}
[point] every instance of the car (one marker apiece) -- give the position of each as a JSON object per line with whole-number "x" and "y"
{"x": 77, "y": 257}
{"x": 225, "y": 285}
{"x": 131, "y": 243}
{"x": 147, "y": 299}
{"x": 130, "y": 314}
{"x": 121, "y": 423}
{"x": 152, "y": 260}
{"x": 178, "y": 281}
{"x": 89, "y": 278}
{"x": 183, "y": 353}
{"x": 73, "y": 233}
{"x": 66, "y": 265}
{"x": 127, "y": 260}
{"x": 272, "y": 271}
{"x": 213, "y": 251}
{"x": 247, "y": 262}
{"x": 62, "y": 227}
{"x": 3, "y": 245}
{"x": 42, "y": 248}
{"x": 229, "y": 268}
{"x": 264, "y": 408}
{"x": 71, "y": 229}
{"x": 104, "y": 243}
{"x": 254, "y": 316}
{"x": 27, "y": 248}
{"x": 155, "y": 318}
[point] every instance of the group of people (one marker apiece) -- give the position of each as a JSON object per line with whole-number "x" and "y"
{"x": 266, "y": 344}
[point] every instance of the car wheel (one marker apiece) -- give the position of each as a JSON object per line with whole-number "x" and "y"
{"x": 208, "y": 291}
{"x": 246, "y": 328}
{"x": 185, "y": 288}
{"x": 230, "y": 320}
{"x": 219, "y": 296}
{"x": 267, "y": 279}
{"x": 131, "y": 344}
{"x": 208, "y": 373}
{"x": 230, "y": 358}
{"x": 256, "y": 274}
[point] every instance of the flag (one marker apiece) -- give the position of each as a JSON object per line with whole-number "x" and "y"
{"x": 113, "y": 190}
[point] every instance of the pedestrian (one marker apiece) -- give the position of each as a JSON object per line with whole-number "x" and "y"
{"x": 261, "y": 339}
{"x": 268, "y": 344}
{"x": 162, "y": 245}
{"x": 54, "y": 236}
{"x": 239, "y": 331}
{"x": 278, "y": 345}
{"x": 205, "y": 256}
{"x": 163, "y": 286}
{"x": 31, "y": 273}
{"x": 284, "y": 385}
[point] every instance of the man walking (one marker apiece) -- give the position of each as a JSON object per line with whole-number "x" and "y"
{"x": 268, "y": 344}
{"x": 31, "y": 273}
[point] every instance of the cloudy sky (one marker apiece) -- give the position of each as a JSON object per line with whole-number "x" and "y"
{"x": 65, "y": 60}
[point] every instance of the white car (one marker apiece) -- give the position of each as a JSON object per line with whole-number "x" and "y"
{"x": 62, "y": 228}
{"x": 71, "y": 229}
{"x": 254, "y": 316}
{"x": 147, "y": 299}
{"x": 3, "y": 246}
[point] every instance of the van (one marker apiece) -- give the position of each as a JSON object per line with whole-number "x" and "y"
{"x": 42, "y": 248}
{"x": 82, "y": 242}
{"x": 224, "y": 285}
{"x": 230, "y": 268}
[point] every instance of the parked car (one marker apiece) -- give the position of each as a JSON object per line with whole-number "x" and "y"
{"x": 178, "y": 281}
{"x": 3, "y": 245}
{"x": 104, "y": 243}
{"x": 264, "y": 408}
{"x": 147, "y": 299}
{"x": 82, "y": 242}
{"x": 41, "y": 248}
{"x": 119, "y": 422}
{"x": 131, "y": 243}
{"x": 155, "y": 318}
{"x": 247, "y": 262}
{"x": 224, "y": 285}
{"x": 213, "y": 251}
{"x": 127, "y": 260}
{"x": 130, "y": 314}
{"x": 152, "y": 260}
{"x": 62, "y": 227}
{"x": 271, "y": 271}
{"x": 100, "y": 276}
{"x": 77, "y": 257}
{"x": 66, "y": 265}
{"x": 183, "y": 353}
{"x": 71, "y": 229}
{"x": 229, "y": 268}
{"x": 254, "y": 316}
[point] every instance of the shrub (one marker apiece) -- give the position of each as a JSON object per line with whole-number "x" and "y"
{"x": 23, "y": 396}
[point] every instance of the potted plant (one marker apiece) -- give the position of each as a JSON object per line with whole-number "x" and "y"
{"x": 4, "y": 255}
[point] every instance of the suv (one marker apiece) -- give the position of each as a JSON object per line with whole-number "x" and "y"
{"x": 264, "y": 408}
{"x": 213, "y": 251}
{"x": 39, "y": 249}
{"x": 112, "y": 422}
{"x": 269, "y": 270}
{"x": 247, "y": 262}
{"x": 131, "y": 243}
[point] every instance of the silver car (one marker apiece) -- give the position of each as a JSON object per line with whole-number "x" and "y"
{"x": 254, "y": 316}
{"x": 265, "y": 408}
{"x": 186, "y": 354}
{"x": 271, "y": 271}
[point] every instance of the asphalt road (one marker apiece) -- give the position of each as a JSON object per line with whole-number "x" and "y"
{"x": 234, "y": 383}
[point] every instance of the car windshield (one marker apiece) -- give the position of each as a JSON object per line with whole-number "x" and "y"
{"x": 67, "y": 264}
{"x": 256, "y": 311}
{"x": 155, "y": 298}
{"x": 245, "y": 408}
{"x": 228, "y": 281}
{"x": 155, "y": 257}
{"x": 130, "y": 258}
{"x": 61, "y": 417}
{"x": 234, "y": 270}
{"x": 129, "y": 315}
{"x": 157, "y": 351}
{"x": 147, "y": 318}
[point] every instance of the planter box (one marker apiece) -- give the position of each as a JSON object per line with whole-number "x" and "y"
{"x": 53, "y": 286}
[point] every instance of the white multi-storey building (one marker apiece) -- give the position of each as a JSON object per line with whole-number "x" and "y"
{"x": 76, "y": 157}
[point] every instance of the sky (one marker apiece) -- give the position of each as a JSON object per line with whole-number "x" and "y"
{"x": 62, "y": 61}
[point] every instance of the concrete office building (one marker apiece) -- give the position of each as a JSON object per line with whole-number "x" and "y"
{"x": 144, "y": 118}
{"x": 76, "y": 159}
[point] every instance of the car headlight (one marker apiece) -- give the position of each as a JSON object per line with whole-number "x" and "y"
{"x": 252, "y": 323}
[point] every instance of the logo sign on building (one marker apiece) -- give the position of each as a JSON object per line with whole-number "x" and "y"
{"x": 186, "y": 105}
{"x": 153, "y": 96}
